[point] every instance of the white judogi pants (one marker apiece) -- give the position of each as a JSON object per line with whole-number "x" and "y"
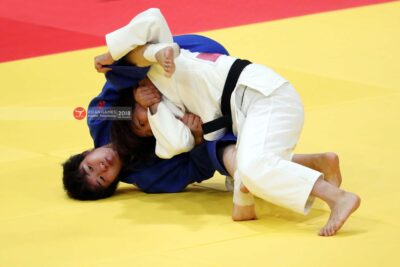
{"x": 268, "y": 130}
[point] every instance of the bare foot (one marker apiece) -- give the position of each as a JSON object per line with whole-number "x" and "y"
{"x": 243, "y": 213}
{"x": 328, "y": 164}
{"x": 341, "y": 209}
{"x": 165, "y": 57}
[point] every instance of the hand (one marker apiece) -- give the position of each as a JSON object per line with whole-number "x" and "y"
{"x": 102, "y": 60}
{"x": 146, "y": 95}
{"x": 194, "y": 123}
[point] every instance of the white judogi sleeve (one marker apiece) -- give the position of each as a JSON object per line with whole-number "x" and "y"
{"x": 173, "y": 137}
{"x": 147, "y": 27}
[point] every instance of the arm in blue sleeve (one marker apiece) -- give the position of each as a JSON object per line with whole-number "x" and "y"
{"x": 174, "y": 175}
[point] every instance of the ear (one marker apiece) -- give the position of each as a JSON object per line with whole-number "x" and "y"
{"x": 86, "y": 152}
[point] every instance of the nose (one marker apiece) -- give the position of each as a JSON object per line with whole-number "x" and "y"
{"x": 103, "y": 167}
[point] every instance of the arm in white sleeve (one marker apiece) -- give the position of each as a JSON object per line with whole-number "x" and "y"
{"x": 173, "y": 137}
{"x": 149, "y": 26}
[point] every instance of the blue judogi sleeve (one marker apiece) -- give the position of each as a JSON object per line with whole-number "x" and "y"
{"x": 158, "y": 175}
{"x": 175, "y": 174}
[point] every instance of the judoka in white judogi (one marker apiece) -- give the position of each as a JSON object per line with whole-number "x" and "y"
{"x": 267, "y": 116}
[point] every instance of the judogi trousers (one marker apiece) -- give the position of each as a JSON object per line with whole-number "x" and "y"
{"x": 268, "y": 129}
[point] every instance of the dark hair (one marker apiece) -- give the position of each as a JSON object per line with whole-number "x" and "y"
{"x": 76, "y": 184}
{"x": 130, "y": 147}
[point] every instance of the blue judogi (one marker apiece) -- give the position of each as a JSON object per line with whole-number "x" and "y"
{"x": 158, "y": 175}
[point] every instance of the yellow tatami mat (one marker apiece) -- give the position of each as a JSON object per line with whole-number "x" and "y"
{"x": 345, "y": 64}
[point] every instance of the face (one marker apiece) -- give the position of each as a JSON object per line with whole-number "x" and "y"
{"x": 140, "y": 123}
{"x": 101, "y": 165}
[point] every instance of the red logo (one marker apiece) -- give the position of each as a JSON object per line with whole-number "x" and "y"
{"x": 101, "y": 104}
{"x": 79, "y": 113}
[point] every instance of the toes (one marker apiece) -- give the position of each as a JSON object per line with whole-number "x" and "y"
{"x": 327, "y": 230}
{"x": 169, "y": 69}
{"x": 331, "y": 231}
{"x": 321, "y": 232}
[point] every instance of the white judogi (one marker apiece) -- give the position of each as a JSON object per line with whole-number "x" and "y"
{"x": 267, "y": 112}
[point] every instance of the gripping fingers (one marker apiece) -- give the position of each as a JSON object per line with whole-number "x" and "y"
{"x": 101, "y": 61}
{"x": 100, "y": 68}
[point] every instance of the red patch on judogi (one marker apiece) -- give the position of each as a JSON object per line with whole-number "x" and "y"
{"x": 208, "y": 56}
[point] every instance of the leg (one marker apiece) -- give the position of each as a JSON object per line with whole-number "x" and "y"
{"x": 341, "y": 203}
{"x": 228, "y": 156}
{"x": 267, "y": 173}
{"x": 243, "y": 202}
{"x": 267, "y": 137}
{"x": 243, "y": 212}
{"x": 327, "y": 163}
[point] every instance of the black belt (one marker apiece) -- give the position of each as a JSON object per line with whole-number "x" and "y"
{"x": 226, "y": 120}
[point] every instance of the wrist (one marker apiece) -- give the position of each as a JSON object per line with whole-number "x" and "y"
{"x": 198, "y": 140}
